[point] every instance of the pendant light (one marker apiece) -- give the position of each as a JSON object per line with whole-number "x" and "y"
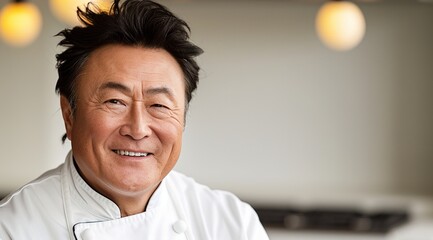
{"x": 20, "y": 23}
{"x": 340, "y": 25}
{"x": 66, "y": 10}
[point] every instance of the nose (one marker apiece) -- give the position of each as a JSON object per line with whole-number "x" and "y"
{"x": 137, "y": 123}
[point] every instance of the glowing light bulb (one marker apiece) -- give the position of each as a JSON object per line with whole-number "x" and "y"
{"x": 66, "y": 10}
{"x": 340, "y": 25}
{"x": 20, "y": 23}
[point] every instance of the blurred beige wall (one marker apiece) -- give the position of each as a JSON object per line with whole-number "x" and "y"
{"x": 276, "y": 114}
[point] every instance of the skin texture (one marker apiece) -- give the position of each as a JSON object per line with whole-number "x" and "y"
{"x": 128, "y": 98}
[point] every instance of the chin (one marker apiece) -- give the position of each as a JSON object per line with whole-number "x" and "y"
{"x": 137, "y": 184}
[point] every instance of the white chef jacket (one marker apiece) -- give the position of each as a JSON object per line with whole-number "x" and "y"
{"x": 61, "y": 205}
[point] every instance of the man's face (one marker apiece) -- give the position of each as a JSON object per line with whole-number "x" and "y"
{"x": 126, "y": 131}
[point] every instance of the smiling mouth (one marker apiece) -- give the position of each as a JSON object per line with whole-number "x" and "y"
{"x": 131, "y": 154}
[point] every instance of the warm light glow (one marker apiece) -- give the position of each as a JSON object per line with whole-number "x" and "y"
{"x": 340, "y": 25}
{"x": 20, "y": 23}
{"x": 66, "y": 10}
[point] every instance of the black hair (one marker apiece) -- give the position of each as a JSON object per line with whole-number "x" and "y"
{"x": 135, "y": 23}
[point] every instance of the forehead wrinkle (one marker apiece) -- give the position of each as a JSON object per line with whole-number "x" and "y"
{"x": 115, "y": 86}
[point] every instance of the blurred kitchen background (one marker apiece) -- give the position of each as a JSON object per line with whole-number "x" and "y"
{"x": 325, "y": 144}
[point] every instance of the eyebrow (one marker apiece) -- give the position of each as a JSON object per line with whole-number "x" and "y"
{"x": 125, "y": 89}
{"x": 161, "y": 90}
{"x": 115, "y": 86}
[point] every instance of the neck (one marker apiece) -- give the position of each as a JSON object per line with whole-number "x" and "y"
{"x": 129, "y": 203}
{"x": 130, "y": 207}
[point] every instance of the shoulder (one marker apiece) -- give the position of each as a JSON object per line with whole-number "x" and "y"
{"x": 220, "y": 214}
{"x": 41, "y": 186}
{"x": 29, "y": 204}
{"x": 194, "y": 191}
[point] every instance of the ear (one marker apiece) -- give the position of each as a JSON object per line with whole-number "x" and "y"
{"x": 67, "y": 115}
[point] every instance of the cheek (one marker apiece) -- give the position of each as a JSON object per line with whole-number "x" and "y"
{"x": 172, "y": 148}
{"x": 93, "y": 127}
{"x": 171, "y": 130}
{"x": 171, "y": 138}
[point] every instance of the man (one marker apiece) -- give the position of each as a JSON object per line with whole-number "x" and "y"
{"x": 125, "y": 82}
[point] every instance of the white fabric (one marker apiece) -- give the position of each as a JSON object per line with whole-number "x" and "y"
{"x": 60, "y": 205}
{"x": 414, "y": 230}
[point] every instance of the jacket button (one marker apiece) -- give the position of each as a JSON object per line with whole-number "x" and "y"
{"x": 180, "y": 226}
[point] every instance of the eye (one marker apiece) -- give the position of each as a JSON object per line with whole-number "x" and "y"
{"x": 157, "y": 105}
{"x": 160, "y": 111}
{"x": 114, "y": 101}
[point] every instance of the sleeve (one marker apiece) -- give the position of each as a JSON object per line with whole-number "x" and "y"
{"x": 5, "y": 219}
{"x": 254, "y": 229}
{"x": 3, "y": 233}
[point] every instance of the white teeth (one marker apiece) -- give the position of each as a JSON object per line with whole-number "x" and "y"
{"x": 131, "y": 154}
